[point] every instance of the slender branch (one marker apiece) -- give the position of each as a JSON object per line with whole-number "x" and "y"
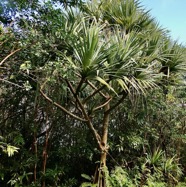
{"x": 61, "y": 107}
{"x": 101, "y": 106}
{"x": 79, "y": 86}
{"x": 91, "y": 85}
{"x": 78, "y": 100}
{"x": 5, "y": 68}
{"x": 9, "y": 56}
{"x": 94, "y": 93}
{"x": 3, "y": 42}
{"x": 118, "y": 103}
{"x": 4, "y": 80}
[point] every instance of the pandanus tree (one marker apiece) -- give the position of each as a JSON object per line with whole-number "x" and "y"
{"x": 99, "y": 56}
{"x": 110, "y": 51}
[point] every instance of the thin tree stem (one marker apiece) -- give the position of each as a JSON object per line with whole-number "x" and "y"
{"x": 61, "y": 107}
{"x": 9, "y": 56}
{"x": 119, "y": 102}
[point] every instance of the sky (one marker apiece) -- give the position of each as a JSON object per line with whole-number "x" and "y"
{"x": 171, "y": 14}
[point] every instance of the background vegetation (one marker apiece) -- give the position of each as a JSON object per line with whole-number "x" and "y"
{"x": 91, "y": 94}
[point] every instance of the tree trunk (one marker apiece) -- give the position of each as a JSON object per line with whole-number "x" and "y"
{"x": 45, "y": 156}
{"x": 35, "y": 165}
{"x": 100, "y": 174}
{"x": 105, "y": 135}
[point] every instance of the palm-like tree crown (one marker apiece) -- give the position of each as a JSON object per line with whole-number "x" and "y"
{"x": 119, "y": 44}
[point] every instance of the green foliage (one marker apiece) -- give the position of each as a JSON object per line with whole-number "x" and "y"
{"x": 8, "y": 149}
{"x": 83, "y": 58}
{"x": 181, "y": 184}
{"x": 88, "y": 184}
{"x": 118, "y": 177}
{"x": 18, "y": 180}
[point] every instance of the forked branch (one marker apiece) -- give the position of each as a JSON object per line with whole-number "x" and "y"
{"x": 61, "y": 107}
{"x": 88, "y": 120}
{"x": 94, "y": 87}
{"x": 104, "y": 104}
